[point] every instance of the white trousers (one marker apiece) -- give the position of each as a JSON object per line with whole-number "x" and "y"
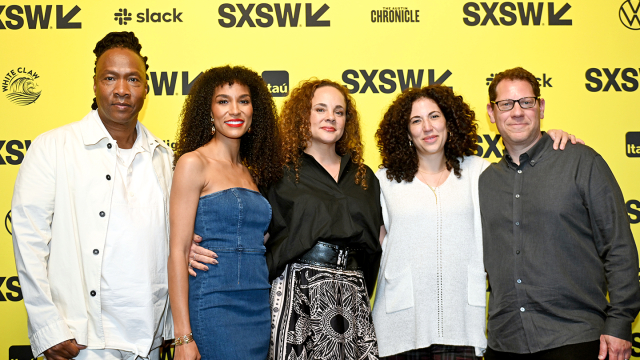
{"x": 111, "y": 354}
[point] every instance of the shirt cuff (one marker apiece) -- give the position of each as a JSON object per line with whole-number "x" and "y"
{"x": 619, "y": 328}
{"x": 48, "y": 336}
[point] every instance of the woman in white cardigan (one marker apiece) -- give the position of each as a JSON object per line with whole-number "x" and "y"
{"x": 430, "y": 300}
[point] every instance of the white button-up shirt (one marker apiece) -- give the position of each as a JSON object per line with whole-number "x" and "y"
{"x": 69, "y": 172}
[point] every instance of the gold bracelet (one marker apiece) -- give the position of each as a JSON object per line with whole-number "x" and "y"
{"x": 183, "y": 339}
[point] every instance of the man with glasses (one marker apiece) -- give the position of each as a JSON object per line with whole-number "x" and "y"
{"x": 556, "y": 239}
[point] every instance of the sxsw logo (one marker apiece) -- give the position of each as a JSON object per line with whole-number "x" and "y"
{"x": 37, "y": 17}
{"x": 20, "y": 352}
{"x": 277, "y": 82}
{"x": 387, "y": 78}
{"x": 595, "y": 81}
{"x": 544, "y": 81}
{"x": 491, "y": 147}
{"x": 164, "y": 83}
{"x": 15, "y": 150}
{"x": 633, "y": 208}
{"x": 633, "y": 144}
{"x": 13, "y": 292}
{"x": 123, "y": 16}
{"x": 264, "y": 15}
{"x": 628, "y": 14}
{"x": 531, "y": 12}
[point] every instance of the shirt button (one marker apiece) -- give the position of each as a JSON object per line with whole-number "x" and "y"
{"x": 517, "y": 252}
{"x": 517, "y": 223}
{"x": 130, "y": 170}
{"x": 522, "y": 309}
{"x": 519, "y": 281}
{"x": 102, "y": 214}
{"x": 108, "y": 177}
{"x": 517, "y": 196}
{"x": 93, "y": 293}
{"x": 96, "y": 251}
{"x": 519, "y": 171}
{"x": 109, "y": 146}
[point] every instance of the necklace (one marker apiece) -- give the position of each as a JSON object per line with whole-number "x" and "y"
{"x": 433, "y": 189}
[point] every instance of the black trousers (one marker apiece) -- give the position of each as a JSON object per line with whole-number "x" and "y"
{"x": 582, "y": 351}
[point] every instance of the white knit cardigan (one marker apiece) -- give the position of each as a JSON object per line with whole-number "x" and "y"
{"x": 432, "y": 283}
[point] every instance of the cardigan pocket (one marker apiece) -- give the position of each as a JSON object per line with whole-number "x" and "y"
{"x": 476, "y": 287}
{"x": 398, "y": 291}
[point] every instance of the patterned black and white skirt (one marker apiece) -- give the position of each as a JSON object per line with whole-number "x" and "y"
{"x": 321, "y": 313}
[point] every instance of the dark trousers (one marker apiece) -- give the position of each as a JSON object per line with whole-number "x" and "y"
{"x": 582, "y": 351}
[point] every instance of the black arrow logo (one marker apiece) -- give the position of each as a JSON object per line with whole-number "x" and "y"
{"x": 63, "y": 21}
{"x": 312, "y": 19}
{"x": 554, "y": 18}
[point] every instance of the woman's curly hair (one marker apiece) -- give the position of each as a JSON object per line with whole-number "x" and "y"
{"x": 260, "y": 147}
{"x": 296, "y": 132}
{"x": 399, "y": 157}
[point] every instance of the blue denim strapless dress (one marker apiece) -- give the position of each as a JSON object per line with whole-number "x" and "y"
{"x": 229, "y": 304}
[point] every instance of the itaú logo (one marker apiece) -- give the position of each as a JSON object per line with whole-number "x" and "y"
{"x": 629, "y": 14}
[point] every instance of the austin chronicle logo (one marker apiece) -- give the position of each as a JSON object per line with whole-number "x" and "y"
{"x": 629, "y": 14}
{"x": 7, "y": 223}
{"x": 20, "y": 86}
{"x": 122, "y": 16}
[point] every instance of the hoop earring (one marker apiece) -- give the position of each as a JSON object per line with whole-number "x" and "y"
{"x": 410, "y": 143}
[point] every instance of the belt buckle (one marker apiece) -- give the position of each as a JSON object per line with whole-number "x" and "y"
{"x": 342, "y": 259}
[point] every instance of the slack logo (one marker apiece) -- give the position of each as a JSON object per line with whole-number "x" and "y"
{"x": 123, "y": 16}
{"x": 544, "y": 81}
{"x": 633, "y": 144}
{"x": 277, "y": 82}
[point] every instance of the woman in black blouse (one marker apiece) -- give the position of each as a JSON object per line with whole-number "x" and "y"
{"x": 324, "y": 251}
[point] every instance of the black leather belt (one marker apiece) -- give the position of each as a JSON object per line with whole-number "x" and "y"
{"x": 331, "y": 256}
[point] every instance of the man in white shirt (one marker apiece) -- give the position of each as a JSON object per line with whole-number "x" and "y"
{"x": 90, "y": 223}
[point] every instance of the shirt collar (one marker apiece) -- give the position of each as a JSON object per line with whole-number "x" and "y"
{"x": 140, "y": 144}
{"x": 345, "y": 160}
{"x": 533, "y": 156}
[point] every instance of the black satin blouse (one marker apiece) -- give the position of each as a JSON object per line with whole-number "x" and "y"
{"x": 317, "y": 208}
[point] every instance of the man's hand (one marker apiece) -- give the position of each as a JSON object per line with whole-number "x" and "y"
{"x": 618, "y": 349}
{"x": 65, "y": 350}
{"x": 199, "y": 255}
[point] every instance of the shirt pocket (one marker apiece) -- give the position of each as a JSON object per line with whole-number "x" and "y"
{"x": 476, "y": 287}
{"x": 398, "y": 291}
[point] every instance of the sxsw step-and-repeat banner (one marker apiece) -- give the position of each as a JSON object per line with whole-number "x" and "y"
{"x": 585, "y": 53}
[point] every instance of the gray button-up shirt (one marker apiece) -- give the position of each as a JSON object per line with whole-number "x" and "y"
{"x": 556, "y": 239}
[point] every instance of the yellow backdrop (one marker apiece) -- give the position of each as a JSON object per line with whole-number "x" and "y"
{"x": 585, "y": 53}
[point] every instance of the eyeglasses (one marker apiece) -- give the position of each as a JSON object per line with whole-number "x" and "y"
{"x": 525, "y": 103}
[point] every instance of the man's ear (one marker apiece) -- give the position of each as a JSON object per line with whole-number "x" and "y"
{"x": 542, "y": 103}
{"x": 490, "y": 111}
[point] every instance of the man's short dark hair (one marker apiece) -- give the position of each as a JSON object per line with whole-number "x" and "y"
{"x": 119, "y": 39}
{"x": 514, "y": 74}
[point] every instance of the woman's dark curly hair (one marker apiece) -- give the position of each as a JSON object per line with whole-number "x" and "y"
{"x": 399, "y": 157}
{"x": 259, "y": 148}
{"x": 296, "y": 132}
{"x": 121, "y": 39}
